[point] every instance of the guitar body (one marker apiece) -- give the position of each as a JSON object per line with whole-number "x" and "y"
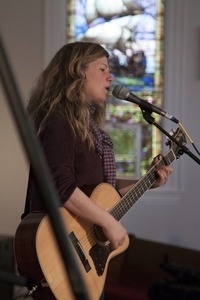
{"x": 38, "y": 257}
{"x": 36, "y": 251}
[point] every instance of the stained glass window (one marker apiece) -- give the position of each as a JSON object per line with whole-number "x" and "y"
{"x": 132, "y": 32}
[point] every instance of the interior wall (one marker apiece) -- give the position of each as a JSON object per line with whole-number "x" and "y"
{"x": 21, "y": 25}
{"x": 32, "y": 31}
{"x": 171, "y": 214}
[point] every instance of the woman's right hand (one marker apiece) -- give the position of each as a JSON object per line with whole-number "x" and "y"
{"x": 83, "y": 207}
{"x": 115, "y": 232}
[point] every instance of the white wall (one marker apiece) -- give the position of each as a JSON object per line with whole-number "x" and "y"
{"x": 32, "y": 31}
{"x": 172, "y": 213}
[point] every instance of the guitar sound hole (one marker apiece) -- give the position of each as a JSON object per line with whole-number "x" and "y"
{"x": 100, "y": 236}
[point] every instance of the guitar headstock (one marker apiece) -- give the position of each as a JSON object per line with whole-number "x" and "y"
{"x": 179, "y": 136}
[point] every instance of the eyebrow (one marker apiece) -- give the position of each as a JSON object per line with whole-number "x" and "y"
{"x": 104, "y": 64}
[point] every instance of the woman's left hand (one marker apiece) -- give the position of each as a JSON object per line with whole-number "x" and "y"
{"x": 163, "y": 173}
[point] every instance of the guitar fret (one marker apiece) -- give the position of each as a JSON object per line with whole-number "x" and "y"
{"x": 140, "y": 188}
{"x": 123, "y": 206}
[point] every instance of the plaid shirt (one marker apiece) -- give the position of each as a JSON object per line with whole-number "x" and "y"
{"x": 104, "y": 148}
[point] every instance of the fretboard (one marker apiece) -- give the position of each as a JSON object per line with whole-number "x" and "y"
{"x": 146, "y": 181}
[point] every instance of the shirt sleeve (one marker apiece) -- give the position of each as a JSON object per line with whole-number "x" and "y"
{"x": 58, "y": 142}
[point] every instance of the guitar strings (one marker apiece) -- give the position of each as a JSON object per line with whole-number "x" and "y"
{"x": 140, "y": 187}
{"x": 119, "y": 208}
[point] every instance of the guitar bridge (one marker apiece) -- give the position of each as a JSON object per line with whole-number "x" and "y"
{"x": 80, "y": 251}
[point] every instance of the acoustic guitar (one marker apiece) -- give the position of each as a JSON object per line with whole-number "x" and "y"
{"x": 37, "y": 253}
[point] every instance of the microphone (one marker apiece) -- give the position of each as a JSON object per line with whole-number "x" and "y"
{"x": 124, "y": 94}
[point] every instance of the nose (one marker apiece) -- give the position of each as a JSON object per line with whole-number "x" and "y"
{"x": 110, "y": 78}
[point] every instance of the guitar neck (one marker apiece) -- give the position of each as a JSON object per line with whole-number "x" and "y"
{"x": 142, "y": 185}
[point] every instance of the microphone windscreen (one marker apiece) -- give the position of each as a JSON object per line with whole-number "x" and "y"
{"x": 120, "y": 92}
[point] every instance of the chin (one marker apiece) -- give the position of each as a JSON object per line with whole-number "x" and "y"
{"x": 100, "y": 100}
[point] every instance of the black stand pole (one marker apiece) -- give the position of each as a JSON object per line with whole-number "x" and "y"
{"x": 147, "y": 116}
{"x": 42, "y": 175}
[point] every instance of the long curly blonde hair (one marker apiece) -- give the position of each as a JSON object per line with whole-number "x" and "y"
{"x": 59, "y": 89}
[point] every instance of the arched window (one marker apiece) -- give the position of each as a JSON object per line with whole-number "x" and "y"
{"x": 132, "y": 32}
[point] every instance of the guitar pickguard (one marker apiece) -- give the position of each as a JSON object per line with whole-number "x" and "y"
{"x": 99, "y": 255}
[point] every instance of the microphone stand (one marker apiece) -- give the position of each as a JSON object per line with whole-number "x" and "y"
{"x": 42, "y": 175}
{"x": 147, "y": 116}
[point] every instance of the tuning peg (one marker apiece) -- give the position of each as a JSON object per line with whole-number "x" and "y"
{"x": 168, "y": 141}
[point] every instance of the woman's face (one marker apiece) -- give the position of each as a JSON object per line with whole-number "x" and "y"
{"x": 98, "y": 80}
